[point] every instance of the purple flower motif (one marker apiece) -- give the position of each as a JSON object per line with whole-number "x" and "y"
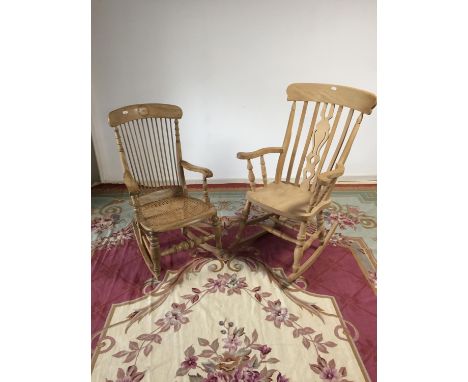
{"x": 327, "y": 370}
{"x": 231, "y": 343}
{"x": 278, "y": 314}
{"x": 226, "y": 281}
{"x": 235, "y": 284}
{"x": 330, "y": 374}
{"x": 281, "y": 378}
{"x": 345, "y": 221}
{"x": 101, "y": 224}
{"x": 131, "y": 375}
{"x": 190, "y": 362}
{"x": 264, "y": 349}
{"x": 174, "y": 317}
{"x": 217, "y": 376}
{"x": 246, "y": 374}
{"x": 218, "y": 284}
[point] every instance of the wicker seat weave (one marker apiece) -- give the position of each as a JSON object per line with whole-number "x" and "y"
{"x": 178, "y": 210}
{"x": 148, "y": 140}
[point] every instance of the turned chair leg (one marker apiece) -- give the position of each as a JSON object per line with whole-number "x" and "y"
{"x": 218, "y": 236}
{"x": 242, "y": 223}
{"x": 155, "y": 252}
{"x": 299, "y": 250}
{"x": 320, "y": 227}
{"x": 314, "y": 256}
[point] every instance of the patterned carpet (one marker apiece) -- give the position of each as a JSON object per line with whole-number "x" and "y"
{"x": 119, "y": 276}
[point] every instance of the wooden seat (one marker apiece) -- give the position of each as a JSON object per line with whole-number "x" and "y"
{"x": 304, "y": 190}
{"x": 148, "y": 140}
{"x": 283, "y": 199}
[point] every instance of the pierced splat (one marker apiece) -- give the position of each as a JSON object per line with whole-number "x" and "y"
{"x": 320, "y": 137}
{"x": 304, "y": 200}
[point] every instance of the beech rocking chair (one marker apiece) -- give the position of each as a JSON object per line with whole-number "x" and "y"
{"x": 300, "y": 201}
{"x": 148, "y": 140}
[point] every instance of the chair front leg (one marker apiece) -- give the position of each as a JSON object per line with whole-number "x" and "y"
{"x": 320, "y": 227}
{"x": 155, "y": 252}
{"x": 299, "y": 250}
{"x": 242, "y": 223}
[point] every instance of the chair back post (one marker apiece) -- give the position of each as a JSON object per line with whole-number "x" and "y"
{"x": 287, "y": 139}
{"x": 179, "y": 158}
{"x": 123, "y": 159}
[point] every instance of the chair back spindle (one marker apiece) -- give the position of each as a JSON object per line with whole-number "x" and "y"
{"x": 328, "y": 140}
{"x": 149, "y": 145}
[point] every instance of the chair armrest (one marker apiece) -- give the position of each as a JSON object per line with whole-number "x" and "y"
{"x": 327, "y": 177}
{"x": 132, "y": 185}
{"x": 202, "y": 170}
{"x": 260, "y": 152}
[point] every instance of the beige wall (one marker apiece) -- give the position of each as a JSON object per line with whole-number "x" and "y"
{"x": 227, "y": 64}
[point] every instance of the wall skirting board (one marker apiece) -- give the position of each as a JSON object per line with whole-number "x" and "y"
{"x": 344, "y": 179}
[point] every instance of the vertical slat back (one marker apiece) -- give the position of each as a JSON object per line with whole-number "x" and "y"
{"x": 287, "y": 139}
{"x": 150, "y": 152}
{"x": 328, "y": 140}
{"x": 296, "y": 141}
{"x": 150, "y": 143}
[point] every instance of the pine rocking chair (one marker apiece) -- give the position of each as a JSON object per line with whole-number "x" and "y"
{"x": 302, "y": 200}
{"x": 148, "y": 140}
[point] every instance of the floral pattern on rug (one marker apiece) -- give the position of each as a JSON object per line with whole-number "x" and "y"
{"x": 234, "y": 349}
{"x": 111, "y": 220}
{"x": 354, "y": 210}
{"x": 232, "y": 357}
{"x": 114, "y": 240}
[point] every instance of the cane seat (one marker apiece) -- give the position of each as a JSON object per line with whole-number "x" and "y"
{"x": 177, "y": 212}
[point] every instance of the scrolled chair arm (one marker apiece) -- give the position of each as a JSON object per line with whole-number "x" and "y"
{"x": 255, "y": 154}
{"x": 329, "y": 176}
{"x": 207, "y": 173}
{"x": 259, "y": 152}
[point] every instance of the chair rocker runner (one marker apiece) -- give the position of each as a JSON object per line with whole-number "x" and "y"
{"x": 326, "y": 144}
{"x": 148, "y": 140}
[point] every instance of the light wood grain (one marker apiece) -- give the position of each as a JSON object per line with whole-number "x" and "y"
{"x": 149, "y": 110}
{"x": 202, "y": 170}
{"x": 353, "y": 98}
{"x": 305, "y": 199}
{"x": 150, "y": 149}
{"x": 259, "y": 152}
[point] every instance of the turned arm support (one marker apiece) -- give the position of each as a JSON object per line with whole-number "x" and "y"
{"x": 202, "y": 170}
{"x": 191, "y": 167}
{"x": 255, "y": 154}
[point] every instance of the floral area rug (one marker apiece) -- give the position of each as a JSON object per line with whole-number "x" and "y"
{"x": 345, "y": 270}
{"x": 227, "y": 322}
